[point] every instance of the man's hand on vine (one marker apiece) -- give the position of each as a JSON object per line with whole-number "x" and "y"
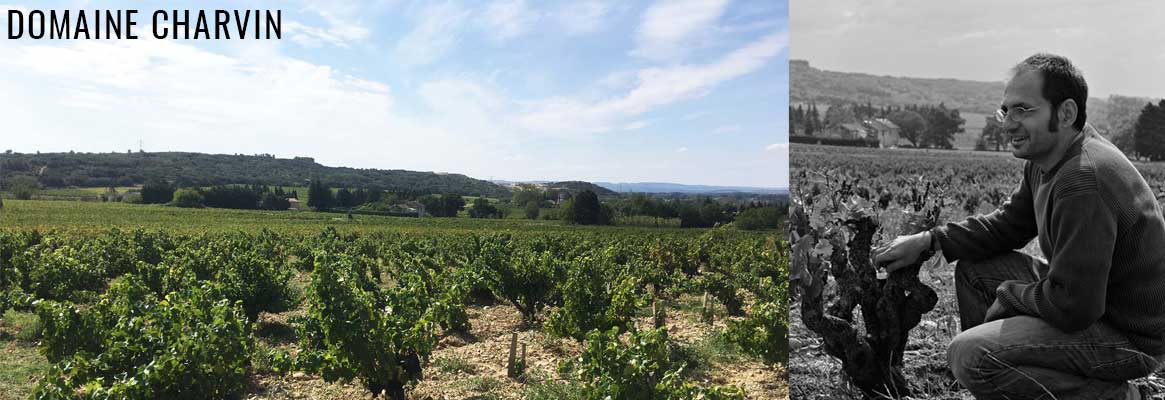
{"x": 902, "y": 251}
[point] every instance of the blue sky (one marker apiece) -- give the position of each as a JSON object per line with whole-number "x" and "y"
{"x": 688, "y": 91}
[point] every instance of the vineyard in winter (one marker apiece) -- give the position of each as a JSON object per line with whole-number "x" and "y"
{"x": 855, "y": 331}
{"x": 292, "y": 309}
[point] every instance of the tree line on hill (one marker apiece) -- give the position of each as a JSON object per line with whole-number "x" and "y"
{"x": 924, "y": 126}
{"x": 60, "y": 170}
{"x": 703, "y": 212}
{"x": 810, "y": 84}
{"x": 581, "y": 208}
{"x": 242, "y": 197}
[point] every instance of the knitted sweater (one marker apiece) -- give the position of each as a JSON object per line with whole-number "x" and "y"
{"x": 1100, "y": 227}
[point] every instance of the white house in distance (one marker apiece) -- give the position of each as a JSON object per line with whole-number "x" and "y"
{"x": 293, "y": 203}
{"x": 888, "y": 133}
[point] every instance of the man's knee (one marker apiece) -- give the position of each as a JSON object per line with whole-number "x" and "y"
{"x": 966, "y": 355}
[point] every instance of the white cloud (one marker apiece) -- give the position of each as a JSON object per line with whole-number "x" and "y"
{"x": 668, "y": 27}
{"x": 434, "y": 35}
{"x": 342, "y": 28}
{"x": 583, "y": 17}
{"x": 655, "y": 87}
{"x": 507, "y": 19}
{"x": 315, "y": 37}
{"x": 777, "y": 147}
{"x": 682, "y": 150}
{"x": 182, "y": 98}
{"x": 467, "y": 107}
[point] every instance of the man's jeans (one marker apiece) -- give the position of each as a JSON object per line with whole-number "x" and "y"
{"x": 1024, "y": 357}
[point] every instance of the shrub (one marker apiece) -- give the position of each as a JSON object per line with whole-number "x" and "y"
{"x": 527, "y": 281}
{"x": 133, "y": 345}
{"x": 483, "y": 209}
{"x": 756, "y": 219}
{"x": 764, "y": 333}
{"x": 644, "y": 368}
{"x": 187, "y": 198}
{"x": 157, "y": 192}
{"x": 60, "y": 274}
{"x": 594, "y": 296}
{"x": 356, "y": 329}
{"x": 22, "y": 187}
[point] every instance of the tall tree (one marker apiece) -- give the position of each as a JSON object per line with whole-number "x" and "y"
{"x": 911, "y": 125}
{"x": 453, "y": 204}
{"x": 157, "y": 192}
{"x": 532, "y": 209}
{"x": 992, "y": 134}
{"x": 585, "y": 209}
{"x": 483, "y": 209}
{"x": 1149, "y": 132}
{"x": 319, "y": 196}
{"x": 840, "y": 114}
{"x": 344, "y": 198}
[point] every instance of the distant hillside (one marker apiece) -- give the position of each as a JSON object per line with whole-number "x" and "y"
{"x": 659, "y": 187}
{"x": 579, "y": 186}
{"x": 808, "y": 84}
{"x": 1113, "y": 116}
{"x": 197, "y": 169}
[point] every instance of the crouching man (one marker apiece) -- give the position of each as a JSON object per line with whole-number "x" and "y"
{"x": 1092, "y": 317}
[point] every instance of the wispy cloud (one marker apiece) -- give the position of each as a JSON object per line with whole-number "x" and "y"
{"x": 584, "y": 17}
{"x": 655, "y": 87}
{"x": 426, "y": 86}
{"x": 434, "y": 35}
{"x": 507, "y": 19}
{"x": 668, "y": 27}
{"x": 342, "y": 27}
{"x": 280, "y": 104}
{"x": 315, "y": 37}
{"x": 777, "y": 147}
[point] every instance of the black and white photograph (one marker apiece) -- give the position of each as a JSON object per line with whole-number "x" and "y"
{"x": 975, "y": 192}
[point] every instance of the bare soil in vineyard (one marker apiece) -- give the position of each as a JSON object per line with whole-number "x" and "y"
{"x": 473, "y": 365}
{"x": 464, "y": 366}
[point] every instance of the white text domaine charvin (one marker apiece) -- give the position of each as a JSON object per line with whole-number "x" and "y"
{"x": 166, "y": 24}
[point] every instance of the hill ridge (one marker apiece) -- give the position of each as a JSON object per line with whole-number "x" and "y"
{"x": 202, "y": 169}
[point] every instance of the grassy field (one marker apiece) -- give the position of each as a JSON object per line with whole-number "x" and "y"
{"x": 72, "y": 215}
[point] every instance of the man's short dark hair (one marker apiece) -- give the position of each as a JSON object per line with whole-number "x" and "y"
{"x": 1062, "y": 81}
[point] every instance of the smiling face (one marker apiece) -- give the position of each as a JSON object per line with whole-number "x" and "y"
{"x": 1030, "y": 137}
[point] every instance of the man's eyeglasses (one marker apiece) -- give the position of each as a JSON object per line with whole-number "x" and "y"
{"x": 1015, "y": 114}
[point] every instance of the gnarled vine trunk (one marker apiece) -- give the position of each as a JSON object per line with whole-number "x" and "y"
{"x": 889, "y": 309}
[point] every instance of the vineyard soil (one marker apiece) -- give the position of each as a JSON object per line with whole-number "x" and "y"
{"x": 88, "y": 261}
